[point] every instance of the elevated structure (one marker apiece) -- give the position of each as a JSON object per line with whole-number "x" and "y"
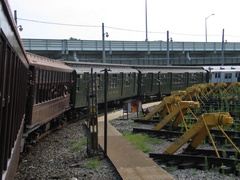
{"x": 137, "y": 52}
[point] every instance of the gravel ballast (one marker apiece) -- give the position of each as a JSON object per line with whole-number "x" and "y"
{"x": 62, "y": 155}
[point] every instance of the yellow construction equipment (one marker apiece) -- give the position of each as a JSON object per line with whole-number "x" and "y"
{"x": 204, "y": 88}
{"x": 231, "y": 86}
{"x": 178, "y": 112}
{"x": 166, "y": 105}
{"x": 218, "y": 87}
{"x": 179, "y": 93}
{"x": 190, "y": 93}
{"x": 199, "y": 131}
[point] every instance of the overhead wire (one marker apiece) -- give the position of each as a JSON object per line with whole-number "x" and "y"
{"x": 115, "y": 28}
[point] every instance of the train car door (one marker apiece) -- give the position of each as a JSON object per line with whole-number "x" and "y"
{"x": 238, "y": 76}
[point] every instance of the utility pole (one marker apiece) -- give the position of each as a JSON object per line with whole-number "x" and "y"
{"x": 168, "y": 61}
{"x": 223, "y": 47}
{"x": 146, "y": 20}
{"x": 103, "y": 45}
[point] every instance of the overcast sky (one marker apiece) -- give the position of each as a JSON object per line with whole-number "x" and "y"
{"x": 125, "y": 19}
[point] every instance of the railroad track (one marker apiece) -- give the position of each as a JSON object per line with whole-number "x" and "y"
{"x": 202, "y": 161}
{"x": 167, "y": 132}
{"x": 172, "y": 134}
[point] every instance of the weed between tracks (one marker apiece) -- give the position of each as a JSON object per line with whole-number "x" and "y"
{"x": 93, "y": 163}
{"x": 78, "y": 144}
{"x": 141, "y": 141}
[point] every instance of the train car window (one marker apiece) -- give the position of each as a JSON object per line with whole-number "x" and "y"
{"x": 143, "y": 79}
{"x": 36, "y": 87}
{"x": 134, "y": 82}
{"x": 36, "y": 76}
{"x": 163, "y": 78}
{"x": 150, "y": 75}
{"x": 39, "y": 76}
{"x": 85, "y": 77}
{"x": 113, "y": 80}
{"x": 192, "y": 77}
{"x": 58, "y": 84}
{"x": 228, "y": 76}
{"x": 217, "y": 75}
{"x": 178, "y": 78}
{"x": 127, "y": 79}
{"x": 79, "y": 77}
{"x": 98, "y": 80}
{"x": 40, "y": 86}
{"x": 44, "y": 76}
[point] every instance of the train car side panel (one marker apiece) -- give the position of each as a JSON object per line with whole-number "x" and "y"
{"x": 49, "y": 95}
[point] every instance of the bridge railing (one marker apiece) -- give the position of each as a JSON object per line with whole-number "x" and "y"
{"x": 96, "y": 45}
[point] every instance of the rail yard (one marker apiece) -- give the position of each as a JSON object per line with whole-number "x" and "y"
{"x": 39, "y": 97}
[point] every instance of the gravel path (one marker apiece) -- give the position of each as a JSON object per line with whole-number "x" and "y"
{"x": 62, "y": 155}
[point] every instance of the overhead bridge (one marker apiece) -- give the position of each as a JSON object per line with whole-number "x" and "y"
{"x": 137, "y": 52}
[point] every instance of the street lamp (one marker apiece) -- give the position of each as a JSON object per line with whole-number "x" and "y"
{"x": 206, "y": 25}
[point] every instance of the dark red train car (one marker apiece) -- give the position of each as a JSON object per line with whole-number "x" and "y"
{"x": 49, "y": 94}
{"x": 13, "y": 87}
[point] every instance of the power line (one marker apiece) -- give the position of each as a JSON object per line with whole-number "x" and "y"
{"x": 53, "y": 23}
{"x": 115, "y": 28}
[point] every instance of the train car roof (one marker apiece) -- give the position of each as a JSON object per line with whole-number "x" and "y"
{"x": 165, "y": 67}
{"x": 48, "y": 64}
{"x": 172, "y": 69}
{"x": 82, "y": 67}
{"x": 222, "y": 68}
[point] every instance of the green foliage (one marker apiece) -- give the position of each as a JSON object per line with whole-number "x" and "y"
{"x": 84, "y": 141}
{"x": 170, "y": 169}
{"x": 76, "y": 148}
{"x": 78, "y": 144}
{"x": 238, "y": 166}
{"x": 141, "y": 141}
{"x": 93, "y": 163}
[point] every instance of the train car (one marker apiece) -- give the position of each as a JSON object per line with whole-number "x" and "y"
{"x": 225, "y": 74}
{"x": 175, "y": 78}
{"x": 49, "y": 93}
{"x": 122, "y": 81}
{"x": 161, "y": 80}
{"x": 13, "y": 87}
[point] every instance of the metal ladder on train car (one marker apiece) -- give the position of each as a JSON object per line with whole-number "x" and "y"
{"x": 92, "y": 115}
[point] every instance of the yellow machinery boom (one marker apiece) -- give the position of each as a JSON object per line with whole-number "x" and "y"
{"x": 177, "y": 112}
{"x": 199, "y": 131}
{"x": 218, "y": 87}
{"x": 231, "y": 86}
{"x": 190, "y": 93}
{"x": 166, "y": 105}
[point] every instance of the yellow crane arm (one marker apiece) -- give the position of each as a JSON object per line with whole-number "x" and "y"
{"x": 231, "y": 86}
{"x": 163, "y": 104}
{"x": 200, "y": 130}
{"x": 180, "y": 107}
